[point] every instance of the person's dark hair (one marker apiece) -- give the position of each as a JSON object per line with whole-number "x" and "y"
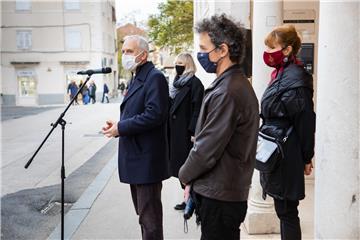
{"x": 222, "y": 29}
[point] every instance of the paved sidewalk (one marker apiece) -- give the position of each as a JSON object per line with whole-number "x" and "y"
{"x": 111, "y": 214}
{"x": 21, "y": 137}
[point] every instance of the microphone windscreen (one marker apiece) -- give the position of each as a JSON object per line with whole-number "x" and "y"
{"x": 107, "y": 70}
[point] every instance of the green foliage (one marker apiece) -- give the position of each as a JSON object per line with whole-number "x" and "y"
{"x": 173, "y": 27}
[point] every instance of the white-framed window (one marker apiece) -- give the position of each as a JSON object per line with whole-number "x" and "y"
{"x": 71, "y": 5}
{"x": 27, "y": 82}
{"x": 24, "y": 39}
{"x": 73, "y": 39}
{"x": 23, "y": 5}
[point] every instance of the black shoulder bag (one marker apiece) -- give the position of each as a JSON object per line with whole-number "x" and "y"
{"x": 270, "y": 151}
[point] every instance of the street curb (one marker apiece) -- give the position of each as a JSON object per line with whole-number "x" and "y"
{"x": 81, "y": 208}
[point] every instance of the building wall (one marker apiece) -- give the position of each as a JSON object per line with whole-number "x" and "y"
{"x": 50, "y": 56}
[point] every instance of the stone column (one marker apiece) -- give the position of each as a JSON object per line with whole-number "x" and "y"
{"x": 338, "y": 122}
{"x": 1, "y": 89}
{"x": 261, "y": 217}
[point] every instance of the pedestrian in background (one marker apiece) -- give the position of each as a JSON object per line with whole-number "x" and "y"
{"x": 122, "y": 87}
{"x": 92, "y": 92}
{"x": 221, "y": 163}
{"x": 142, "y": 130}
{"x": 288, "y": 103}
{"x": 186, "y": 94}
{"x": 85, "y": 94}
{"x": 72, "y": 90}
{"x": 105, "y": 93}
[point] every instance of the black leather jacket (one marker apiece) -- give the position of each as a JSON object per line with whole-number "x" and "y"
{"x": 221, "y": 163}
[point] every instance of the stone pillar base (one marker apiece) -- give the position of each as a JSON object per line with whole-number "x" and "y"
{"x": 260, "y": 222}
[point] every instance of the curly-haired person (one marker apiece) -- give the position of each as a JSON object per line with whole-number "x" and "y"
{"x": 221, "y": 163}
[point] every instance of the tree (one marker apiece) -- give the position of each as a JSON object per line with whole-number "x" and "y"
{"x": 173, "y": 27}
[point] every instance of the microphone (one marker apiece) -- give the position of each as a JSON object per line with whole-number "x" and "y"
{"x": 95, "y": 71}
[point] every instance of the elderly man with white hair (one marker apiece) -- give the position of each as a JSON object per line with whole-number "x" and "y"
{"x": 142, "y": 132}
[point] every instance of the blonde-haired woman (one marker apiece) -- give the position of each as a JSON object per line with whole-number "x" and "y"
{"x": 287, "y": 111}
{"x": 186, "y": 94}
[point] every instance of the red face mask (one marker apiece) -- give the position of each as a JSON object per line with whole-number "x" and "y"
{"x": 274, "y": 59}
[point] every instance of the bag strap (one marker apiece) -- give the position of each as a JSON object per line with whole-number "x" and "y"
{"x": 288, "y": 132}
{"x": 186, "y": 228}
{"x": 285, "y": 138}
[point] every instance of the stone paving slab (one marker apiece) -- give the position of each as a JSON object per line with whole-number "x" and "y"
{"x": 112, "y": 215}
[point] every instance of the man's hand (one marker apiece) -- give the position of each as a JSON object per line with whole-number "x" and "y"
{"x": 186, "y": 193}
{"x": 308, "y": 168}
{"x": 110, "y": 129}
{"x": 192, "y": 139}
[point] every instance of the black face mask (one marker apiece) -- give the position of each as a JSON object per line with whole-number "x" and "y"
{"x": 179, "y": 69}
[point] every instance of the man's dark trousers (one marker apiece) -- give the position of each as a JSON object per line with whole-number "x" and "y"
{"x": 220, "y": 219}
{"x": 147, "y": 203}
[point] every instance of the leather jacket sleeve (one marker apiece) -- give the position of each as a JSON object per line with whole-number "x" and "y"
{"x": 211, "y": 140}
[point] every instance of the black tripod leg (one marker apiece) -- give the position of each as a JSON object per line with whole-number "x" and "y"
{"x": 62, "y": 123}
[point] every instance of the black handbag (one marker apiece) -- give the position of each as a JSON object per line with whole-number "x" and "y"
{"x": 270, "y": 151}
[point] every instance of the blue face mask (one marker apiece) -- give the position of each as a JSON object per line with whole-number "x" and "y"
{"x": 205, "y": 62}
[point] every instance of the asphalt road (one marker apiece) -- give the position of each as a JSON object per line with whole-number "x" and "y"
{"x": 30, "y": 197}
{"x": 21, "y": 212}
{"x": 8, "y": 113}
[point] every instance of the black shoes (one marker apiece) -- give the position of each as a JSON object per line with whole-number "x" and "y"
{"x": 180, "y": 206}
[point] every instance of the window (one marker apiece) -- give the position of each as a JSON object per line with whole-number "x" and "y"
{"x": 23, "y": 5}
{"x": 113, "y": 14}
{"x": 71, "y": 5}
{"x": 73, "y": 39}
{"x": 24, "y": 39}
{"x": 104, "y": 62}
{"x": 27, "y": 83}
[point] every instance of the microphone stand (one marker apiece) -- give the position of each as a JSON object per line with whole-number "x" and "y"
{"x": 62, "y": 122}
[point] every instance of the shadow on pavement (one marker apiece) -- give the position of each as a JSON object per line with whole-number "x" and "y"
{"x": 21, "y": 212}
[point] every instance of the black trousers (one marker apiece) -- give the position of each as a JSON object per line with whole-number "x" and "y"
{"x": 76, "y": 100}
{"x": 93, "y": 98}
{"x": 147, "y": 203}
{"x": 103, "y": 97}
{"x": 220, "y": 220}
{"x": 289, "y": 220}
